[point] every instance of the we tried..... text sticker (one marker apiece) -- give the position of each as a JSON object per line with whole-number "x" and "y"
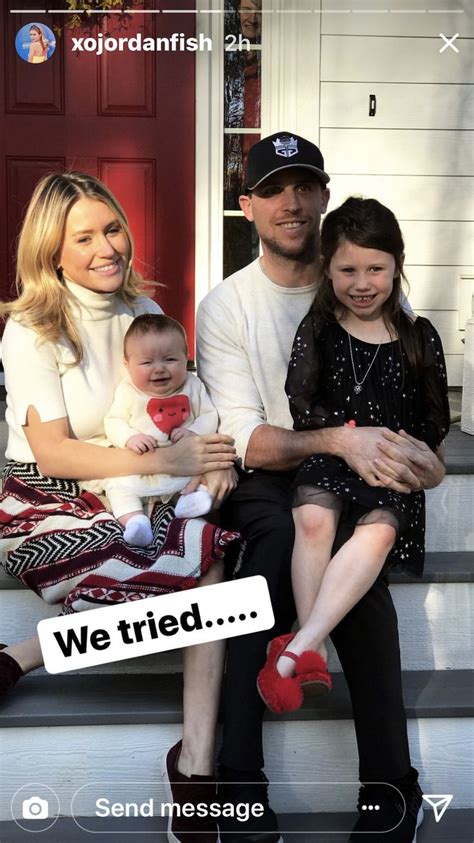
{"x": 155, "y": 624}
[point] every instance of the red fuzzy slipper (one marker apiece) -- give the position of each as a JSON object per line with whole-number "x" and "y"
{"x": 312, "y": 671}
{"x": 279, "y": 693}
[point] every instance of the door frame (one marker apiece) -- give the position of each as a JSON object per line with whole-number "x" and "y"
{"x": 290, "y": 101}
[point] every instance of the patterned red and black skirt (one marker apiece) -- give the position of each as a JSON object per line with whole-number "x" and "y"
{"x": 67, "y": 547}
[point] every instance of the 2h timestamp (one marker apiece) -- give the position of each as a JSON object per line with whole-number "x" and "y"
{"x": 234, "y": 43}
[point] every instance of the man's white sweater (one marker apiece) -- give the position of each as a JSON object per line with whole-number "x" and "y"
{"x": 245, "y": 331}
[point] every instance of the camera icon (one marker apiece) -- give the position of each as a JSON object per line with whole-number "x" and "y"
{"x": 35, "y": 808}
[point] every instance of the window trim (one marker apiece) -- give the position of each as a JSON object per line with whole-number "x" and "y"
{"x": 290, "y": 102}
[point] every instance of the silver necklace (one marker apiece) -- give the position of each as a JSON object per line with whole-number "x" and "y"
{"x": 358, "y": 384}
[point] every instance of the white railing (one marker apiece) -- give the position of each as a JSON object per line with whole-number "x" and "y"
{"x": 467, "y": 413}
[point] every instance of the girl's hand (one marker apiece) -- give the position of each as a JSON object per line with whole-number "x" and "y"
{"x": 198, "y": 455}
{"x": 140, "y": 443}
{"x": 219, "y": 484}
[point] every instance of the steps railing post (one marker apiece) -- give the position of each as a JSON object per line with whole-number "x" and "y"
{"x": 467, "y": 411}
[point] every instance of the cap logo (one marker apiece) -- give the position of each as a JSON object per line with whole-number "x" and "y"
{"x": 286, "y": 147}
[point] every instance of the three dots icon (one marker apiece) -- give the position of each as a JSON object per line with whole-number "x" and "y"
{"x": 231, "y": 619}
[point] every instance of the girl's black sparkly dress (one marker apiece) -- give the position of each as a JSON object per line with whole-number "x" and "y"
{"x": 320, "y": 387}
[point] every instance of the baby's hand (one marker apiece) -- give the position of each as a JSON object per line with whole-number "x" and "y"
{"x": 180, "y": 433}
{"x": 140, "y": 443}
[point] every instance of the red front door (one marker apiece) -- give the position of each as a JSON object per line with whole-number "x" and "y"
{"x": 126, "y": 117}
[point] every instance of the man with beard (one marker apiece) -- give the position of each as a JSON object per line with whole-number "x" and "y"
{"x": 245, "y": 331}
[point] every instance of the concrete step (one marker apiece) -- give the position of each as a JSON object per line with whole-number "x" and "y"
{"x": 449, "y": 508}
{"x": 454, "y": 827}
{"x": 442, "y": 566}
{"x": 68, "y": 700}
{"x": 459, "y": 451}
{"x": 435, "y": 619}
{"x": 72, "y": 731}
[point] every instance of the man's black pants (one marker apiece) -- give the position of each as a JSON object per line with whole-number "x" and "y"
{"x": 366, "y": 640}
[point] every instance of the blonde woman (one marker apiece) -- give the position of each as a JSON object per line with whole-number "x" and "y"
{"x": 38, "y": 51}
{"x": 62, "y": 352}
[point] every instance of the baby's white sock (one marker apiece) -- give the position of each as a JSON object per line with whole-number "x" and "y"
{"x": 138, "y": 531}
{"x": 197, "y": 503}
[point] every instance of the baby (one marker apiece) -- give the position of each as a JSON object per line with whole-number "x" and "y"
{"x": 158, "y": 404}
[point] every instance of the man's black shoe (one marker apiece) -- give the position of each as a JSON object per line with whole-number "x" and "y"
{"x": 192, "y": 791}
{"x": 390, "y": 814}
{"x": 245, "y": 789}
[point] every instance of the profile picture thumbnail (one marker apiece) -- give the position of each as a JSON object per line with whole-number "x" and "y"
{"x": 35, "y": 43}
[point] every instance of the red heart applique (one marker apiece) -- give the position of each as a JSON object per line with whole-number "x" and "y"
{"x": 168, "y": 413}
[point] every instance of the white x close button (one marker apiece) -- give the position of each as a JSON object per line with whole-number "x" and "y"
{"x": 449, "y": 42}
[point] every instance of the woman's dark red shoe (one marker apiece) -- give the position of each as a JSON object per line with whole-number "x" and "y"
{"x": 10, "y": 671}
{"x": 281, "y": 693}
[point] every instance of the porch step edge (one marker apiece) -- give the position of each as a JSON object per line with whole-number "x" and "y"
{"x": 149, "y": 699}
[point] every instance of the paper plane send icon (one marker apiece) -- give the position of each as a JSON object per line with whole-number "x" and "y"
{"x": 439, "y": 802}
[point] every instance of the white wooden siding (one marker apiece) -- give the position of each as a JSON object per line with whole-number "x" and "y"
{"x": 388, "y": 59}
{"x": 416, "y": 154}
{"x": 413, "y": 197}
{"x": 398, "y": 152}
{"x": 454, "y": 368}
{"x": 413, "y": 106}
{"x": 434, "y": 287}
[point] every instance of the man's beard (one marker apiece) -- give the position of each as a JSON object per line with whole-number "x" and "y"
{"x": 305, "y": 255}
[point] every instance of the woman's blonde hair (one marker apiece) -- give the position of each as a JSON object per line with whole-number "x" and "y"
{"x": 44, "y": 302}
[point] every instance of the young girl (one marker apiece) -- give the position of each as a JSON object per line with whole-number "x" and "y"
{"x": 359, "y": 359}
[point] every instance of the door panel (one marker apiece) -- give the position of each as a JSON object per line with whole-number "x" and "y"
{"x": 22, "y": 175}
{"x": 127, "y": 117}
{"x": 137, "y": 179}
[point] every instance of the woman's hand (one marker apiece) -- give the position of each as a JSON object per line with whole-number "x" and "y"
{"x": 59, "y": 455}
{"x": 219, "y": 484}
{"x": 198, "y": 455}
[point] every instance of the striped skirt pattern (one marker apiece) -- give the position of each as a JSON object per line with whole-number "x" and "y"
{"x": 68, "y": 548}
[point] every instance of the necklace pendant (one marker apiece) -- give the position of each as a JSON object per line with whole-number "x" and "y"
{"x": 358, "y": 388}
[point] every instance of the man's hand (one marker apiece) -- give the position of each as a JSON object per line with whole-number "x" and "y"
{"x": 219, "y": 484}
{"x": 410, "y": 459}
{"x": 141, "y": 443}
{"x": 394, "y": 460}
{"x": 180, "y": 433}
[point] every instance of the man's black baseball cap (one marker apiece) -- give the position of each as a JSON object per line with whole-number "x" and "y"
{"x": 280, "y": 152}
